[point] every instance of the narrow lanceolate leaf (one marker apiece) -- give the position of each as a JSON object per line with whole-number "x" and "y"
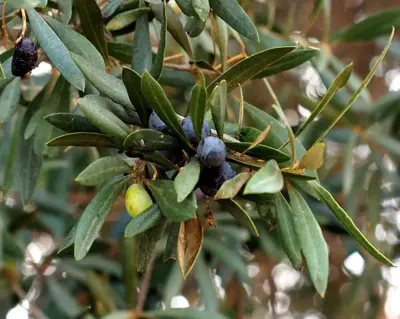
{"x": 359, "y": 90}
{"x": 312, "y": 242}
{"x": 268, "y": 180}
{"x": 84, "y": 139}
{"x": 236, "y": 207}
{"x": 104, "y": 119}
{"x": 260, "y": 151}
{"x": 129, "y": 272}
{"x": 187, "y": 313}
{"x": 250, "y": 67}
{"x": 260, "y": 138}
{"x": 325, "y": 197}
{"x": 289, "y": 61}
{"x": 26, "y": 4}
{"x": 69, "y": 239}
{"x": 76, "y": 42}
{"x": 103, "y": 170}
{"x": 187, "y": 179}
{"x": 222, "y": 38}
{"x": 174, "y": 27}
{"x": 144, "y": 221}
{"x": 197, "y": 106}
{"x": 110, "y": 8}
{"x": 141, "y": 54}
{"x": 339, "y": 82}
{"x": 370, "y": 27}
{"x": 55, "y": 50}
{"x": 228, "y": 256}
{"x": 231, "y": 187}
{"x": 202, "y": 8}
{"x": 156, "y": 97}
{"x": 194, "y": 26}
{"x": 314, "y": 158}
{"x": 8, "y": 77}
{"x": 71, "y": 123}
{"x": 170, "y": 251}
{"x": 149, "y": 140}
{"x": 158, "y": 63}
{"x": 133, "y": 84}
{"x": 9, "y": 100}
{"x": 10, "y": 169}
{"x": 207, "y": 287}
{"x": 92, "y": 24}
{"x": 186, "y": 7}
{"x": 287, "y": 233}
{"x": 190, "y": 240}
{"x": 106, "y": 83}
{"x": 166, "y": 197}
{"x": 147, "y": 245}
{"x": 94, "y": 216}
{"x": 232, "y": 13}
{"x": 126, "y": 18}
{"x": 218, "y": 107}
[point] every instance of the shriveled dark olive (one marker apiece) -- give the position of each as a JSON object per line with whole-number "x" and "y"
{"x": 24, "y": 58}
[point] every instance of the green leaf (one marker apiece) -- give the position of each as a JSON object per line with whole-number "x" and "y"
{"x": 7, "y": 73}
{"x": 144, "y": 221}
{"x": 314, "y": 157}
{"x": 387, "y": 105}
{"x": 296, "y": 176}
{"x": 126, "y": 18}
{"x": 92, "y": 24}
{"x": 228, "y": 256}
{"x": 166, "y": 197}
{"x": 325, "y": 197}
{"x": 55, "y": 50}
{"x": 147, "y": 245}
{"x": 231, "y": 187}
{"x": 202, "y": 8}
{"x": 197, "y": 106}
{"x": 187, "y": 313}
{"x": 339, "y": 82}
{"x": 287, "y": 231}
{"x": 186, "y": 7}
{"x": 103, "y": 170}
{"x": 64, "y": 11}
{"x": 36, "y": 114}
{"x": 268, "y": 180}
{"x": 232, "y": 13}
{"x": 110, "y": 8}
{"x": 369, "y": 28}
{"x": 71, "y": 123}
{"x": 207, "y": 288}
{"x": 69, "y": 240}
{"x": 156, "y": 97}
{"x": 250, "y": 67}
{"x": 29, "y": 164}
{"x": 222, "y": 39}
{"x": 76, "y": 42}
{"x": 129, "y": 272}
{"x": 289, "y": 61}
{"x": 10, "y": 168}
{"x": 121, "y": 51}
{"x": 359, "y": 90}
{"x": 187, "y": 179}
{"x": 83, "y": 139}
{"x": 157, "y": 158}
{"x": 133, "y": 84}
{"x": 9, "y": 100}
{"x": 170, "y": 251}
{"x": 106, "y": 83}
{"x": 94, "y": 216}
{"x": 158, "y": 63}
{"x": 218, "y": 107}
{"x": 142, "y": 54}
{"x": 260, "y": 151}
{"x": 26, "y": 4}
{"x": 312, "y": 242}
{"x": 194, "y": 26}
{"x": 149, "y": 140}
{"x": 236, "y": 207}
{"x": 102, "y": 118}
{"x": 174, "y": 27}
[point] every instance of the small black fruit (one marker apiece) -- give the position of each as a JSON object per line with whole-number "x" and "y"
{"x": 211, "y": 151}
{"x": 155, "y": 123}
{"x": 24, "y": 58}
{"x": 188, "y": 128}
{"x": 212, "y": 178}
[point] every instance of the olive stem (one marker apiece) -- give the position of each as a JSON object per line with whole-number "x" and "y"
{"x": 22, "y": 35}
{"x": 4, "y": 25}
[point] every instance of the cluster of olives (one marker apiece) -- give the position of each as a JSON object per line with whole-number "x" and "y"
{"x": 24, "y": 58}
{"x": 211, "y": 152}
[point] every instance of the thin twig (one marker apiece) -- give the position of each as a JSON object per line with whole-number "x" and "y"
{"x": 22, "y": 35}
{"x": 4, "y": 25}
{"x": 189, "y": 68}
{"x": 144, "y": 287}
{"x": 173, "y": 57}
{"x": 232, "y": 60}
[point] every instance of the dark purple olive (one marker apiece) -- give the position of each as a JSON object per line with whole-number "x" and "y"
{"x": 188, "y": 128}
{"x": 211, "y": 151}
{"x": 24, "y": 58}
{"x": 212, "y": 178}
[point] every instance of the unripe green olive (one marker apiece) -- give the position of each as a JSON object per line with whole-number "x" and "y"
{"x": 137, "y": 200}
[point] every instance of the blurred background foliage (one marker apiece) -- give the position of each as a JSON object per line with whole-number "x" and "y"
{"x": 252, "y": 277}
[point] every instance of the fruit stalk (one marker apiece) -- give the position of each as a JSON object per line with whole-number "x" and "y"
{"x": 22, "y": 35}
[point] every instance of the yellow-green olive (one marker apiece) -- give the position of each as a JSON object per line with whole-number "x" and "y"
{"x": 137, "y": 200}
